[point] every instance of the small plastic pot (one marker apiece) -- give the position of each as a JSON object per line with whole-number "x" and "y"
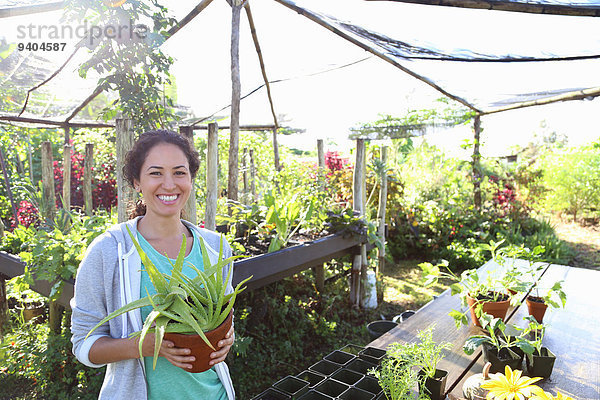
{"x": 272, "y": 394}
{"x": 292, "y": 386}
{"x": 356, "y": 394}
{"x": 541, "y": 364}
{"x": 361, "y": 366}
{"x": 331, "y": 388}
{"x": 435, "y": 386}
{"x": 314, "y": 395}
{"x": 346, "y": 376}
{"x": 372, "y": 355}
{"x": 352, "y": 349}
{"x": 501, "y": 359}
{"x": 339, "y": 357}
{"x": 313, "y": 378}
{"x": 324, "y": 367}
{"x": 369, "y": 384}
{"x": 378, "y": 328}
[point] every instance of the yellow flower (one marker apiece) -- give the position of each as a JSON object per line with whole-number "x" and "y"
{"x": 510, "y": 386}
{"x": 541, "y": 395}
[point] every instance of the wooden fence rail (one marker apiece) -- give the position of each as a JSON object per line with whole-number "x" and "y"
{"x": 264, "y": 269}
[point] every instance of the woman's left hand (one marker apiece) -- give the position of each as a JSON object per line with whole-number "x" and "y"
{"x": 224, "y": 347}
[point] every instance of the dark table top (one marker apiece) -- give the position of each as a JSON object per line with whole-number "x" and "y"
{"x": 572, "y": 334}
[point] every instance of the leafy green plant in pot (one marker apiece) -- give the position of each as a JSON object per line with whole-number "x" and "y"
{"x": 497, "y": 345}
{"x": 396, "y": 376}
{"x": 195, "y": 310}
{"x": 427, "y": 356}
{"x": 539, "y": 300}
{"x": 482, "y": 295}
{"x": 540, "y": 360}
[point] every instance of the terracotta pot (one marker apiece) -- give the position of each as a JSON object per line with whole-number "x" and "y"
{"x": 536, "y": 308}
{"x": 199, "y": 349}
{"x": 497, "y": 309}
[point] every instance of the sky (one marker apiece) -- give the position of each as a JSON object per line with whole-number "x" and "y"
{"x": 326, "y": 99}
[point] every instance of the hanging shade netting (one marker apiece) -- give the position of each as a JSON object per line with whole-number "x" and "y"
{"x": 485, "y": 59}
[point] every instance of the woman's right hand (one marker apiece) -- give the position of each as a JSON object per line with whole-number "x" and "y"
{"x": 177, "y": 356}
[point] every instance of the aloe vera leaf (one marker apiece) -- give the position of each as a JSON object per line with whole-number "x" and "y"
{"x": 177, "y": 267}
{"x": 192, "y": 289}
{"x": 159, "y": 333}
{"x": 183, "y": 309}
{"x": 126, "y": 308}
{"x": 159, "y": 282}
{"x": 147, "y": 324}
{"x": 209, "y": 306}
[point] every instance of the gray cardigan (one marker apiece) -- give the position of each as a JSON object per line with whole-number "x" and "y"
{"x": 109, "y": 277}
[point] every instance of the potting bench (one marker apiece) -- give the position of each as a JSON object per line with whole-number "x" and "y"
{"x": 572, "y": 335}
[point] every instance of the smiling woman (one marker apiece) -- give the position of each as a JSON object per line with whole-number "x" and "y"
{"x": 161, "y": 166}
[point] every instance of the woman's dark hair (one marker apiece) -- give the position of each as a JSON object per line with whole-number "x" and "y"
{"x": 137, "y": 155}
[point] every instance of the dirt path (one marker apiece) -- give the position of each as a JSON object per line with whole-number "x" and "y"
{"x": 584, "y": 240}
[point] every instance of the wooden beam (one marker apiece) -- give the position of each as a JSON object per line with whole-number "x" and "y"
{"x": 575, "y": 95}
{"x": 27, "y": 120}
{"x": 234, "y": 133}
{"x": 358, "y": 199}
{"x": 48, "y": 181}
{"x": 192, "y": 14}
{"x": 315, "y": 18}
{"x": 66, "y": 190}
{"x": 31, "y": 9}
{"x": 555, "y": 9}
{"x": 476, "y": 162}
{"x": 190, "y": 212}
{"x": 88, "y": 163}
{"x": 241, "y": 127}
{"x": 124, "y": 134}
{"x": 381, "y": 210}
{"x": 212, "y": 179}
{"x": 261, "y": 61}
{"x": 8, "y": 188}
{"x": 87, "y": 101}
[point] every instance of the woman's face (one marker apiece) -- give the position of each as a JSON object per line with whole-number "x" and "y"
{"x": 165, "y": 180}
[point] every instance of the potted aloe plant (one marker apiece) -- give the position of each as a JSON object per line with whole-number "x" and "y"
{"x": 481, "y": 294}
{"x": 189, "y": 309}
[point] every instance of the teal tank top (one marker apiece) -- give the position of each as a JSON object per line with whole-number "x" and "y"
{"x": 168, "y": 381}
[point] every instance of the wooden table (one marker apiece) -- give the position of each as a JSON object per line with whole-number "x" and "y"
{"x": 573, "y": 334}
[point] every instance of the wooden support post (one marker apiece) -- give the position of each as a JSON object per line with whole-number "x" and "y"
{"x": 56, "y": 310}
{"x": 18, "y": 162}
{"x": 49, "y": 202}
{"x": 66, "y": 192}
{"x": 321, "y": 161}
{"x": 189, "y": 212}
{"x": 212, "y": 183}
{"x": 234, "y": 136}
{"x": 320, "y": 269}
{"x": 357, "y": 286}
{"x": 476, "y": 159}
{"x": 245, "y": 175}
{"x": 276, "y": 151}
{"x": 3, "y": 306}
{"x": 125, "y": 193}
{"x": 30, "y": 159}
{"x": 252, "y": 176}
{"x": 8, "y": 188}
{"x": 381, "y": 210}
{"x": 88, "y": 163}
